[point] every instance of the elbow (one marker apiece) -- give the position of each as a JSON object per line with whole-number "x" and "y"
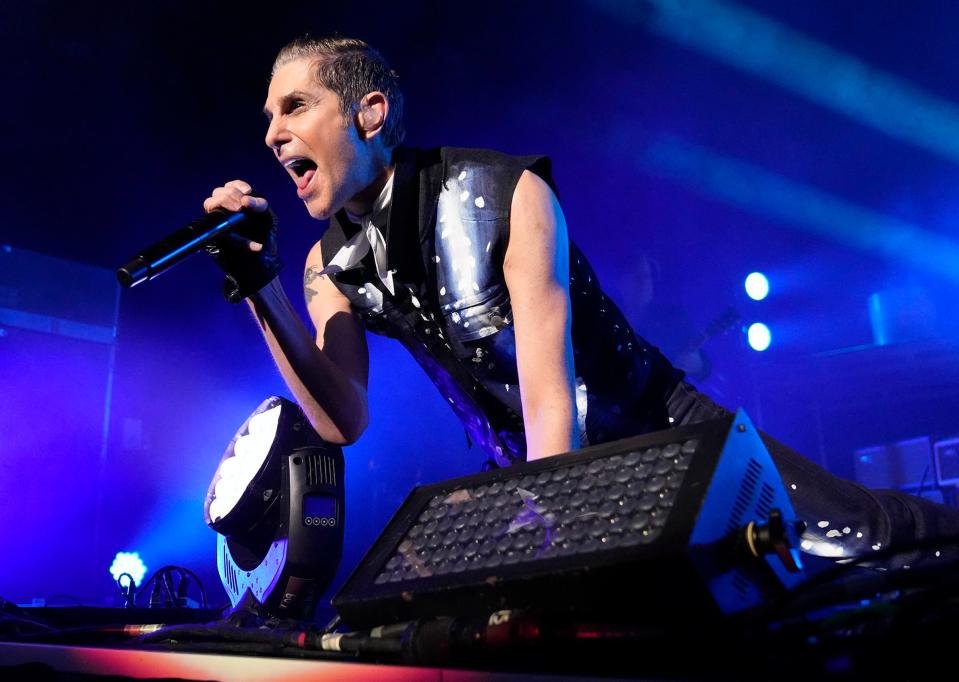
{"x": 348, "y": 436}
{"x": 344, "y": 432}
{"x": 341, "y": 439}
{"x": 354, "y": 425}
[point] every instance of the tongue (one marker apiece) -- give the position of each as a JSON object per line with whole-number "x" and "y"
{"x": 304, "y": 180}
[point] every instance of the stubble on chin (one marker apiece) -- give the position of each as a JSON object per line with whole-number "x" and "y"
{"x": 319, "y": 214}
{"x": 318, "y": 210}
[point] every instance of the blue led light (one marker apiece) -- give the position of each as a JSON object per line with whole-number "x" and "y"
{"x": 757, "y": 286}
{"x": 128, "y": 562}
{"x": 759, "y": 336}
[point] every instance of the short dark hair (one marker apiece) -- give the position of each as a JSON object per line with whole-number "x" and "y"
{"x": 350, "y": 68}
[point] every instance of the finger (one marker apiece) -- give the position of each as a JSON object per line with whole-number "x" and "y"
{"x": 213, "y": 203}
{"x": 228, "y": 198}
{"x": 240, "y": 185}
{"x": 242, "y": 241}
{"x": 226, "y": 203}
{"x": 257, "y": 204}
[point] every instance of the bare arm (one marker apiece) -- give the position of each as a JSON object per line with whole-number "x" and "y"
{"x": 328, "y": 375}
{"x": 537, "y": 276}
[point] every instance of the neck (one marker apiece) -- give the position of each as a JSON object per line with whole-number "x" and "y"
{"x": 362, "y": 203}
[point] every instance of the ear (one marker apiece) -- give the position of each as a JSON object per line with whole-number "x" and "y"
{"x": 371, "y": 115}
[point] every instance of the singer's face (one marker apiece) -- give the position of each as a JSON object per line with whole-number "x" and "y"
{"x": 319, "y": 148}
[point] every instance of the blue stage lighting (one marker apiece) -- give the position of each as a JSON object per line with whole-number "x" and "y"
{"x": 128, "y": 562}
{"x": 759, "y": 336}
{"x": 802, "y": 206}
{"x": 757, "y": 286}
{"x": 771, "y": 50}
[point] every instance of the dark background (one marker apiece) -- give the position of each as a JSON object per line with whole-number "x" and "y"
{"x": 814, "y": 141}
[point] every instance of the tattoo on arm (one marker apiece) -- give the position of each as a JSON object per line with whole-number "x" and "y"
{"x": 309, "y": 276}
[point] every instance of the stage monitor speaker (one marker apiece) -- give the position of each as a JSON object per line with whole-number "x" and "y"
{"x": 946, "y": 456}
{"x": 903, "y": 465}
{"x": 651, "y": 527}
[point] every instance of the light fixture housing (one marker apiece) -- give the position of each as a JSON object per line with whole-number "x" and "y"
{"x": 277, "y": 503}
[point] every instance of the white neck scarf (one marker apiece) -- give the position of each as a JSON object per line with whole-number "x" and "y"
{"x": 370, "y": 237}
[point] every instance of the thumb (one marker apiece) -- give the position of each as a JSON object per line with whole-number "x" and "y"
{"x": 255, "y": 203}
{"x": 239, "y": 241}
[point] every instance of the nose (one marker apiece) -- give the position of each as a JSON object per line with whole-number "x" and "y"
{"x": 276, "y": 134}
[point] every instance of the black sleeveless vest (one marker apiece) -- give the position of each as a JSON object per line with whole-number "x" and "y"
{"x": 446, "y": 237}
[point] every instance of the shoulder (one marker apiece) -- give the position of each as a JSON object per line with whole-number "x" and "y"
{"x": 493, "y": 161}
{"x": 485, "y": 181}
{"x": 531, "y": 189}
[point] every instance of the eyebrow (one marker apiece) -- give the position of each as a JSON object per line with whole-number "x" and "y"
{"x": 286, "y": 99}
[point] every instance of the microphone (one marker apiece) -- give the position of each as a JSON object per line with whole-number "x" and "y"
{"x": 160, "y": 257}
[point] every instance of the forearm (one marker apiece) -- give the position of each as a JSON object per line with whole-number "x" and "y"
{"x": 335, "y": 405}
{"x": 550, "y": 428}
{"x": 547, "y": 384}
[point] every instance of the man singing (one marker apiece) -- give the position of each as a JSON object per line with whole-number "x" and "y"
{"x": 463, "y": 256}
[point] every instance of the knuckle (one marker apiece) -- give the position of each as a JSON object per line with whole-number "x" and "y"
{"x": 256, "y": 203}
{"x": 240, "y": 186}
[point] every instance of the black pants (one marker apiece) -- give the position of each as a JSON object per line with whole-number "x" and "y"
{"x": 843, "y": 518}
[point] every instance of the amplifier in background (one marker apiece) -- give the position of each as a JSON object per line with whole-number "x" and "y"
{"x": 57, "y": 352}
{"x": 903, "y": 465}
{"x": 946, "y": 456}
{"x": 649, "y": 529}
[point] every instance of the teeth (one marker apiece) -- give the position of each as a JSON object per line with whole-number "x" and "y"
{"x": 299, "y": 165}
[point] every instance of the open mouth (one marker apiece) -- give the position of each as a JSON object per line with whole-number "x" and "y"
{"x": 302, "y": 171}
{"x": 300, "y": 167}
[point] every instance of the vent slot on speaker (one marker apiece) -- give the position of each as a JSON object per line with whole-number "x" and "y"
{"x": 744, "y": 499}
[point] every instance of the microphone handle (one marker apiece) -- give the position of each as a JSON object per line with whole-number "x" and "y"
{"x": 160, "y": 257}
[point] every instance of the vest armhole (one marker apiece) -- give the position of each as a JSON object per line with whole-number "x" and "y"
{"x": 542, "y": 167}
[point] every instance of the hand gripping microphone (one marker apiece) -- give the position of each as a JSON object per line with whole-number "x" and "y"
{"x": 160, "y": 257}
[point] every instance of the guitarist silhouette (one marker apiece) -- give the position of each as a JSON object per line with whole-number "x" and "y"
{"x": 666, "y": 323}
{"x": 691, "y": 358}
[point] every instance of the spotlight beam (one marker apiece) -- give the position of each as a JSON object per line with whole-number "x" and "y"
{"x": 801, "y": 206}
{"x": 822, "y": 74}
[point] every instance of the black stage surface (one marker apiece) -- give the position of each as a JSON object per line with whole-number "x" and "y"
{"x": 843, "y": 624}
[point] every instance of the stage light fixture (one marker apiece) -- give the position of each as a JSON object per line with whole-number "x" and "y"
{"x": 129, "y": 563}
{"x": 276, "y": 501}
{"x": 672, "y": 527}
{"x": 249, "y": 452}
{"x": 757, "y": 286}
{"x": 759, "y": 336}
